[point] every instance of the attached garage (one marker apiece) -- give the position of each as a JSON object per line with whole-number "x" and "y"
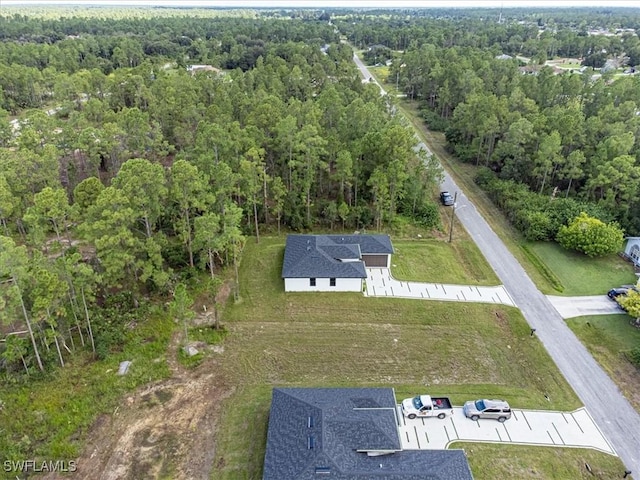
{"x": 376, "y": 261}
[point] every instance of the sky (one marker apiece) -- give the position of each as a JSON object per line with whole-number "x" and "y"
{"x": 339, "y": 3}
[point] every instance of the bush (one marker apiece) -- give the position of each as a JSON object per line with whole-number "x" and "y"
{"x": 591, "y": 236}
{"x": 434, "y": 121}
{"x": 536, "y": 216}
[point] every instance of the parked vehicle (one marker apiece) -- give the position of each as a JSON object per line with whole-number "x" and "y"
{"x": 446, "y": 198}
{"x": 494, "y": 409}
{"x": 616, "y": 292}
{"x": 426, "y": 406}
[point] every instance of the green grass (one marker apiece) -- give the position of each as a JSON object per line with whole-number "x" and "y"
{"x": 48, "y": 417}
{"x": 463, "y": 350}
{"x": 581, "y": 275}
{"x": 608, "y": 338}
{"x": 432, "y": 260}
{"x": 526, "y": 462}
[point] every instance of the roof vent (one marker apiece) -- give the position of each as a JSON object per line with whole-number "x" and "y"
{"x": 310, "y": 422}
{"x": 323, "y": 470}
{"x": 311, "y": 443}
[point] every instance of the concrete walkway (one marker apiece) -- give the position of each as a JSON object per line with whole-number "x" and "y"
{"x": 380, "y": 283}
{"x": 570, "y": 307}
{"x": 526, "y": 427}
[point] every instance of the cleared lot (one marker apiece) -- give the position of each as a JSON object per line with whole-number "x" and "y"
{"x": 526, "y": 427}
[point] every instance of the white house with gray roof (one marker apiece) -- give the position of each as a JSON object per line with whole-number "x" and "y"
{"x": 332, "y": 263}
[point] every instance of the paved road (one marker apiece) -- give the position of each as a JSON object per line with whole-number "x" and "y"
{"x": 366, "y": 75}
{"x": 611, "y": 411}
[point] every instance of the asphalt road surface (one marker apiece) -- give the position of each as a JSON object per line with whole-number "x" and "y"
{"x": 611, "y": 411}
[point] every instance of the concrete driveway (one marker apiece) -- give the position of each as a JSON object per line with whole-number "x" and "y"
{"x": 569, "y": 307}
{"x": 525, "y": 427}
{"x": 380, "y": 283}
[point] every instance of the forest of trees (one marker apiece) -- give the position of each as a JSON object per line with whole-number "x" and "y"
{"x": 121, "y": 172}
{"x": 558, "y": 144}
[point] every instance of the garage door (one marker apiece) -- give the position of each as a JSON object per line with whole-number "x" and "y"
{"x": 375, "y": 260}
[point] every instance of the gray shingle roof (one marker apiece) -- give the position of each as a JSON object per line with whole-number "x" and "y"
{"x": 328, "y": 429}
{"x": 331, "y": 256}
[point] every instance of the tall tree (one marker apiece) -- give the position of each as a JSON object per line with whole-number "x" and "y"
{"x": 144, "y": 185}
{"x": 14, "y": 266}
{"x": 50, "y": 207}
{"x": 188, "y": 191}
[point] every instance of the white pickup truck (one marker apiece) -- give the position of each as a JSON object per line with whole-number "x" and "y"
{"x": 426, "y": 406}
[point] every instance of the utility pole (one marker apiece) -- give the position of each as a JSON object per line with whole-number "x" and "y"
{"x": 453, "y": 216}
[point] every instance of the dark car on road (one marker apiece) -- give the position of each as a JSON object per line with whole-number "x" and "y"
{"x": 446, "y": 198}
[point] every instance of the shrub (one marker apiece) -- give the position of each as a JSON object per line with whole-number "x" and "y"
{"x": 434, "y": 121}
{"x": 536, "y": 216}
{"x": 590, "y": 236}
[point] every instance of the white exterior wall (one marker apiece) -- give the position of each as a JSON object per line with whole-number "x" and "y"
{"x": 322, "y": 285}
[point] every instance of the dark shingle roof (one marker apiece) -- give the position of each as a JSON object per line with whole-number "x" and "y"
{"x": 331, "y": 256}
{"x": 330, "y": 429}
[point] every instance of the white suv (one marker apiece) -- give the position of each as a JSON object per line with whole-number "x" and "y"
{"x": 495, "y": 409}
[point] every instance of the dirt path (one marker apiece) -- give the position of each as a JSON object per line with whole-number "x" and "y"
{"x": 163, "y": 430}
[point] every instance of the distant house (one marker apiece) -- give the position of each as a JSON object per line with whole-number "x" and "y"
{"x": 504, "y": 57}
{"x": 192, "y": 69}
{"x": 332, "y": 263}
{"x": 347, "y": 434}
{"x": 632, "y": 250}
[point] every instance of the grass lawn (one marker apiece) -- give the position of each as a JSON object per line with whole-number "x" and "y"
{"x": 462, "y": 350}
{"x": 581, "y": 275}
{"x": 432, "y": 260}
{"x": 524, "y": 462}
{"x": 608, "y": 337}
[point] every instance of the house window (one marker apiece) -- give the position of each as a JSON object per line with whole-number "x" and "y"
{"x": 312, "y": 282}
{"x": 635, "y": 254}
{"x": 332, "y": 282}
